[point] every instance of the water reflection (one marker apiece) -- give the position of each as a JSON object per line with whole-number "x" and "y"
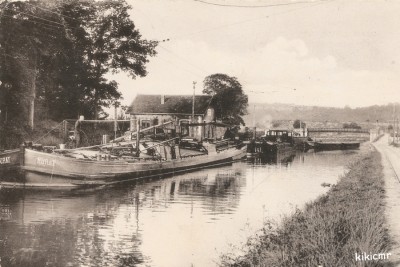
{"x": 179, "y": 221}
{"x": 100, "y": 228}
{"x": 284, "y": 158}
{"x": 56, "y": 229}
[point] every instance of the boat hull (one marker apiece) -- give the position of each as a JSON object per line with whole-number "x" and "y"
{"x": 269, "y": 149}
{"x": 336, "y": 145}
{"x": 60, "y": 170}
{"x": 9, "y": 161}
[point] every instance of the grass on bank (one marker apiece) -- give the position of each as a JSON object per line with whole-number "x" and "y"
{"x": 348, "y": 219}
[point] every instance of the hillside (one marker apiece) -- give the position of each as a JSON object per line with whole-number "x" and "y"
{"x": 264, "y": 114}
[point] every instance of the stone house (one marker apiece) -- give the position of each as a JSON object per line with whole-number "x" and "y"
{"x": 155, "y": 109}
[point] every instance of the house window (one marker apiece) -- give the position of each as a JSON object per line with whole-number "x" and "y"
{"x": 145, "y": 124}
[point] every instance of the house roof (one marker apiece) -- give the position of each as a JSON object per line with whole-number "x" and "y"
{"x": 173, "y": 104}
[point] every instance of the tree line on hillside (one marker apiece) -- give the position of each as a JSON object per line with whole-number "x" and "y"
{"x": 265, "y": 113}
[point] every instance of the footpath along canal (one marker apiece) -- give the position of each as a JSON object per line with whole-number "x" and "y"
{"x": 391, "y": 165}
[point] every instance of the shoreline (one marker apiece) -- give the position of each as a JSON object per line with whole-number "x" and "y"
{"x": 390, "y": 160}
{"x": 347, "y": 221}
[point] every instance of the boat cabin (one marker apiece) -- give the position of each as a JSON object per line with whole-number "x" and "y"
{"x": 196, "y": 121}
{"x": 285, "y": 136}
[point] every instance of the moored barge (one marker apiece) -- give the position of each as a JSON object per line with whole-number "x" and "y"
{"x": 336, "y": 145}
{"x": 9, "y": 160}
{"x": 80, "y": 167}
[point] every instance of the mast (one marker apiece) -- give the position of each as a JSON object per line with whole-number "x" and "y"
{"x": 137, "y": 137}
{"x": 194, "y": 93}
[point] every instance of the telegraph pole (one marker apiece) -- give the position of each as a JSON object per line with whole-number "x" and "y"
{"x": 194, "y": 92}
{"x": 394, "y": 123}
{"x": 254, "y": 122}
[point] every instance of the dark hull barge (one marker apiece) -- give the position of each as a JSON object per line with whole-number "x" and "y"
{"x": 335, "y": 145}
{"x": 9, "y": 161}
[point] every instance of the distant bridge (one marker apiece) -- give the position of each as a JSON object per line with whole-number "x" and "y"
{"x": 338, "y": 130}
{"x": 348, "y": 134}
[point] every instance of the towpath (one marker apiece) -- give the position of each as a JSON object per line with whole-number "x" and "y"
{"x": 391, "y": 169}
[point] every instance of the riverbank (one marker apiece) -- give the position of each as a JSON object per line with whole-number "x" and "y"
{"x": 391, "y": 164}
{"x": 331, "y": 231}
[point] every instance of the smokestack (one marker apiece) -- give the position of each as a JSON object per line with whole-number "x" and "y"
{"x": 162, "y": 99}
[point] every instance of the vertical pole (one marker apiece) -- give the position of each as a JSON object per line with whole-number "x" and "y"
{"x": 194, "y": 93}
{"x": 397, "y": 130}
{"x": 32, "y": 113}
{"x": 192, "y": 130}
{"x": 132, "y": 125}
{"x": 32, "y": 100}
{"x": 65, "y": 130}
{"x": 394, "y": 122}
{"x": 254, "y": 115}
{"x": 115, "y": 121}
{"x": 137, "y": 136}
{"x": 254, "y": 122}
{"x": 33, "y": 90}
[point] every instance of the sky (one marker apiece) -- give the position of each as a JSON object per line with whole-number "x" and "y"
{"x": 303, "y": 52}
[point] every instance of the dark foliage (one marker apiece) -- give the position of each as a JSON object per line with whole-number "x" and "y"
{"x": 351, "y": 125}
{"x": 297, "y": 124}
{"x": 57, "y": 53}
{"x": 229, "y": 101}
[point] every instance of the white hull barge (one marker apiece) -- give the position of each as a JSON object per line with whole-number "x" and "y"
{"x": 59, "y": 170}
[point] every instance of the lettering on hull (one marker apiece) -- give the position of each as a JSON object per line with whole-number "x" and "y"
{"x": 5, "y": 160}
{"x": 45, "y": 162}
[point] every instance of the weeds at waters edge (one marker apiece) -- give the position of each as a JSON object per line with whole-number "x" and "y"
{"x": 348, "y": 219}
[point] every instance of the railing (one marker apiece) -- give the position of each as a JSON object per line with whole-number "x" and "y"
{"x": 348, "y": 130}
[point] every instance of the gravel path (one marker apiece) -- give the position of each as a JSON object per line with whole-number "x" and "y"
{"x": 391, "y": 165}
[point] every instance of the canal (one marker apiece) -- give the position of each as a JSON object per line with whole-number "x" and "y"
{"x": 185, "y": 220}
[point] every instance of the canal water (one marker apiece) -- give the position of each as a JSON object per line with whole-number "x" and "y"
{"x": 185, "y": 220}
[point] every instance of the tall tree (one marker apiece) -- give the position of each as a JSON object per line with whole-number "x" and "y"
{"x": 25, "y": 36}
{"x": 55, "y": 54}
{"x": 229, "y": 101}
{"x": 297, "y": 124}
{"x": 107, "y": 40}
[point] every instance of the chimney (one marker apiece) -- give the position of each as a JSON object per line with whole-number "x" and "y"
{"x": 162, "y": 99}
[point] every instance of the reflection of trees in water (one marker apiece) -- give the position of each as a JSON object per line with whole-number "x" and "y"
{"x": 218, "y": 191}
{"x": 37, "y": 244}
{"x": 324, "y": 158}
{"x": 86, "y": 237}
{"x": 311, "y": 158}
{"x": 284, "y": 159}
{"x": 101, "y": 228}
{"x": 214, "y": 188}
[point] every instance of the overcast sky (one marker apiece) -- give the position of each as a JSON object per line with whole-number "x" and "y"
{"x": 326, "y": 53}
